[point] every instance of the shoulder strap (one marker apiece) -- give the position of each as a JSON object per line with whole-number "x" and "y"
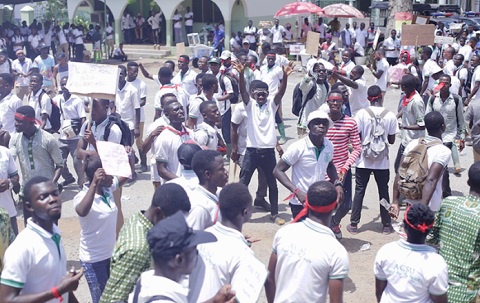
{"x": 158, "y": 298}
{"x": 370, "y": 112}
{"x": 383, "y": 113}
{"x": 138, "y": 287}
{"x": 456, "y": 98}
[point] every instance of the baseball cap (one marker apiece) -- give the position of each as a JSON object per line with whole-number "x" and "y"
{"x": 42, "y": 46}
{"x": 245, "y": 41}
{"x": 172, "y": 236}
{"x": 60, "y": 55}
{"x": 225, "y": 55}
{"x": 318, "y": 114}
{"x": 214, "y": 60}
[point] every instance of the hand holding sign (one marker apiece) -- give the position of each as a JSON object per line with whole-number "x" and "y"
{"x": 114, "y": 159}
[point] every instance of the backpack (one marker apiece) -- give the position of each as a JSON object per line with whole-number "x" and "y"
{"x": 235, "y": 87}
{"x": 418, "y": 87}
{"x": 468, "y": 83}
{"x": 54, "y": 117}
{"x": 375, "y": 145}
{"x": 456, "y": 98}
{"x": 413, "y": 170}
{"x": 126, "y": 134}
{"x": 298, "y": 103}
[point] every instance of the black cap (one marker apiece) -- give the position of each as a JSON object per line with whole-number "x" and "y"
{"x": 214, "y": 60}
{"x": 172, "y": 236}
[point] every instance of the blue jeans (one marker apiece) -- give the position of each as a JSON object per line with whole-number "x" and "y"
{"x": 97, "y": 275}
{"x": 264, "y": 158}
{"x": 344, "y": 208}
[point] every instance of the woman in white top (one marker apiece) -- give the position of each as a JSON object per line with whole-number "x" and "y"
{"x": 97, "y": 212}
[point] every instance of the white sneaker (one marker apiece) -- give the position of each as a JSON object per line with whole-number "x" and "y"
{"x": 154, "y": 46}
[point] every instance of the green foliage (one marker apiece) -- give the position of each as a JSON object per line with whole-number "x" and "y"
{"x": 80, "y": 20}
{"x": 154, "y": 6}
{"x": 54, "y": 10}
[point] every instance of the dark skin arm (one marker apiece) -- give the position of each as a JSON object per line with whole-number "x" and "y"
{"x": 241, "y": 82}
{"x": 270, "y": 287}
{"x": 434, "y": 174}
{"x": 44, "y": 120}
{"x": 473, "y": 92}
{"x": 164, "y": 173}
{"x": 57, "y": 173}
{"x": 147, "y": 143}
{"x": 391, "y": 139}
{"x": 5, "y": 183}
{"x": 440, "y": 299}
{"x": 335, "y": 290}
{"x": 332, "y": 175}
{"x": 137, "y": 123}
{"x": 377, "y": 74}
{"x": 345, "y": 80}
{"x": 287, "y": 70}
{"x": 424, "y": 85}
{"x": 143, "y": 101}
{"x": 380, "y": 286}
{"x": 279, "y": 173}
{"x": 191, "y": 122}
{"x": 144, "y": 72}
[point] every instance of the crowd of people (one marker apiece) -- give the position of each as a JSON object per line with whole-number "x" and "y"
{"x": 188, "y": 245}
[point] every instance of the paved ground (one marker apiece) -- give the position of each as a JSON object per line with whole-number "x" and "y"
{"x": 359, "y": 287}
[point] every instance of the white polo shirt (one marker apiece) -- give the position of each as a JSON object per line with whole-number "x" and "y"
{"x": 261, "y": 124}
{"x": 175, "y": 89}
{"x": 382, "y": 81}
{"x": 186, "y": 81}
{"x": 34, "y": 262}
{"x": 189, "y": 22}
{"x": 220, "y": 263}
{"x": 204, "y": 210}
{"x": 141, "y": 88}
{"x": 43, "y": 106}
{"x": 359, "y": 96}
{"x": 72, "y": 108}
{"x": 239, "y": 117}
{"x": 166, "y": 145}
{"x": 98, "y": 131}
{"x": 8, "y": 107}
{"x": 8, "y": 168}
{"x": 126, "y": 102}
{"x": 416, "y": 272}
{"x": 194, "y": 107}
{"x": 22, "y": 69}
{"x": 206, "y": 135}
{"x": 436, "y": 154}
{"x": 272, "y": 76}
{"x": 250, "y": 30}
{"x": 160, "y": 286}
{"x": 98, "y": 234}
{"x": 188, "y": 180}
{"x": 365, "y": 123}
{"x": 308, "y": 256}
{"x": 162, "y": 121}
{"x": 428, "y": 69}
{"x": 309, "y": 165}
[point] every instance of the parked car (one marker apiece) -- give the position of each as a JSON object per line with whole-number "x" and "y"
{"x": 475, "y": 21}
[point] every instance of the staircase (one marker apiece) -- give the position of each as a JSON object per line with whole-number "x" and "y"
{"x": 142, "y": 51}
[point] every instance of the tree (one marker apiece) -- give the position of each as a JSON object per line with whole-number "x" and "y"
{"x": 54, "y": 10}
{"x": 396, "y": 6}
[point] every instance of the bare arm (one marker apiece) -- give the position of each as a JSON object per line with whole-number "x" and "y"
{"x": 57, "y": 173}
{"x": 164, "y": 173}
{"x": 424, "y": 85}
{"x": 434, "y": 174}
{"x": 380, "y": 286}
{"x": 335, "y": 290}
{"x": 147, "y": 143}
{"x": 279, "y": 173}
{"x": 473, "y": 92}
{"x": 440, "y": 299}
{"x": 241, "y": 82}
{"x": 234, "y": 139}
{"x": 144, "y": 72}
{"x": 345, "y": 80}
{"x": 391, "y": 139}
{"x": 270, "y": 287}
{"x": 287, "y": 70}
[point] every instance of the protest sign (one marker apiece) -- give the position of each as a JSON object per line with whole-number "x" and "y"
{"x": 180, "y": 49}
{"x": 92, "y": 80}
{"x": 416, "y": 34}
{"x": 402, "y": 18}
{"x": 418, "y": 19}
{"x": 444, "y": 40}
{"x": 253, "y": 276}
{"x": 313, "y": 40}
{"x": 114, "y": 159}
{"x": 377, "y": 36}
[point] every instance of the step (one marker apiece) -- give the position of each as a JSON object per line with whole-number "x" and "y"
{"x": 152, "y": 54}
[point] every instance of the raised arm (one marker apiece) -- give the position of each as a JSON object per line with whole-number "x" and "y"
{"x": 287, "y": 70}
{"x": 241, "y": 81}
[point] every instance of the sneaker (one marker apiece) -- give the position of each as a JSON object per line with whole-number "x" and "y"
{"x": 68, "y": 182}
{"x": 282, "y": 141}
{"x": 277, "y": 220}
{"x": 144, "y": 168}
{"x": 336, "y": 230}
{"x": 387, "y": 229}
{"x": 353, "y": 229}
{"x": 154, "y": 46}
{"x": 261, "y": 203}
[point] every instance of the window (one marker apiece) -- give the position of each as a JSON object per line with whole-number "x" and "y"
{"x": 206, "y": 11}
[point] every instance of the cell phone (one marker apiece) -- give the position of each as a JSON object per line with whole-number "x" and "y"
{"x": 389, "y": 208}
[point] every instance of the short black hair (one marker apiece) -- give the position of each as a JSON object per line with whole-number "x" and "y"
{"x": 474, "y": 176}
{"x": 321, "y": 193}
{"x": 433, "y": 121}
{"x": 162, "y": 98}
{"x": 171, "y": 198}
{"x": 336, "y": 86}
{"x": 359, "y": 69}
{"x": 261, "y": 85}
{"x": 446, "y": 76}
{"x": 202, "y": 161}
{"x": 208, "y": 81}
{"x": 184, "y": 57}
{"x": 233, "y": 200}
{"x": 474, "y": 39}
{"x": 132, "y": 64}
{"x": 254, "y": 84}
{"x": 335, "y": 91}
{"x": 90, "y": 166}
{"x": 170, "y": 62}
{"x": 427, "y": 50}
{"x": 204, "y": 105}
{"x": 122, "y": 67}
{"x": 26, "y": 110}
{"x": 164, "y": 72}
{"x": 409, "y": 81}
{"x": 374, "y": 91}
{"x": 199, "y": 76}
{"x": 418, "y": 214}
{"x": 27, "y": 189}
{"x": 255, "y": 59}
{"x": 39, "y": 76}
{"x": 8, "y": 78}
{"x": 185, "y": 154}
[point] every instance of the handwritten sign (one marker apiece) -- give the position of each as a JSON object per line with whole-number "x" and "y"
{"x": 377, "y": 36}
{"x": 180, "y": 49}
{"x": 416, "y": 34}
{"x": 444, "y": 40}
{"x": 114, "y": 159}
{"x": 313, "y": 39}
{"x": 296, "y": 49}
{"x": 253, "y": 276}
{"x": 419, "y": 19}
{"x": 92, "y": 80}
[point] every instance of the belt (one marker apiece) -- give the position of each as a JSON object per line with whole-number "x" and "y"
{"x": 260, "y": 150}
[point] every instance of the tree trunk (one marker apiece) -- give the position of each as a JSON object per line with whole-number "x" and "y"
{"x": 396, "y": 6}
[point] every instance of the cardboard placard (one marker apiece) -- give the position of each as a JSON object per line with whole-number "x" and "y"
{"x": 416, "y": 34}
{"x": 444, "y": 39}
{"x": 180, "y": 49}
{"x": 377, "y": 36}
{"x": 92, "y": 80}
{"x": 265, "y": 24}
{"x": 419, "y": 19}
{"x": 114, "y": 159}
{"x": 313, "y": 40}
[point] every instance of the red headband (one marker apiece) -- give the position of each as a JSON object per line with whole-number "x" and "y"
{"x": 317, "y": 209}
{"x": 271, "y": 55}
{"x": 420, "y": 227}
{"x": 372, "y": 99}
{"x": 182, "y": 59}
{"x": 331, "y": 98}
{"x": 22, "y": 117}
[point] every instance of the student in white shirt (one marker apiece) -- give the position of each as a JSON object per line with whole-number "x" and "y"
{"x": 188, "y": 21}
{"x": 361, "y": 35}
{"x": 188, "y": 180}
{"x": 438, "y": 158}
{"x": 206, "y": 133}
{"x": 391, "y": 45}
{"x": 261, "y": 138}
{"x": 358, "y": 87}
{"x": 178, "y": 26}
{"x": 209, "y": 88}
{"x": 431, "y": 72}
{"x": 378, "y": 165}
{"x": 186, "y": 77}
{"x": 308, "y": 263}
{"x": 97, "y": 210}
{"x": 9, "y": 103}
{"x": 21, "y": 69}
{"x": 40, "y": 101}
{"x": 35, "y": 264}
{"x": 109, "y": 32}
{"x": 423, "y": 274}
{"x": 320, "y": 28}
{"x": 227, "y": 260}
{"x": 379, "y": 69}
{"x": 347, "y": 63}
{"x": 311, "y": 160}
{"x": 278, "y": 32}
{"x": 210, "y": 170}
{"x": 474, "y": 94}
{"x": 250, "y": 32}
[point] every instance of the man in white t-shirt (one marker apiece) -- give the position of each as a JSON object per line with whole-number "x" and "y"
{"x": 261, "y": 138}
{"x": 206, "y": 133}
{"x": 21, "y": 70}
{"x": 358, "y": 88}
{"x": 431, "y": 72}
{"x": 35, "y": 264}
{"x": 188, "y": 21}
{"x": 178, "y": 26}
{"x": 40, "y": 101}
{"x": 475, "y": 85}
{"x": 278, "y": 32}
{"x": 110, "y": 39}
{"x": 250, "y": 33}
{"x": 311, "y": 160}
{"x": 379, "y": 69}
{"x": 154, "y": 21}
{"x": 361, "y": 35}
{"x": 78, "y": 36}
{"x": 391, "y": 45}
{"x": 9, "y": 103}
{"x": 209, "y": 88}
{"x": 186, "y": 77}
{"x": 438, "y": 158}
{"x": 370, "y": 162}
{"x": 320, "y": 28}
{"x": 308, "y": 263}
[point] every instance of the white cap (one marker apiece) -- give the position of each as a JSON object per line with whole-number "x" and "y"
{"x": 225, "y": 55}
{"x": 318, "y": 114}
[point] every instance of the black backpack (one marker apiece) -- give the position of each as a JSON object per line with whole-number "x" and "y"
{"x": 297, "y": 103}
{"x": 468, "y": 83}
{"x": 235, "y": 87}
{"x": 54, "y": 117}
{"x": 126, "y": 134}
{"x": 418, "y": 87}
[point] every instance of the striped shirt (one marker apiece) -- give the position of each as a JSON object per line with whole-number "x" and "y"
{"x": 343, "y": 132}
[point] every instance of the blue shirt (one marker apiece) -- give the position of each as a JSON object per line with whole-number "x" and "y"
{"x": 218, "y": 35}
{"x": 45, "y": 68}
